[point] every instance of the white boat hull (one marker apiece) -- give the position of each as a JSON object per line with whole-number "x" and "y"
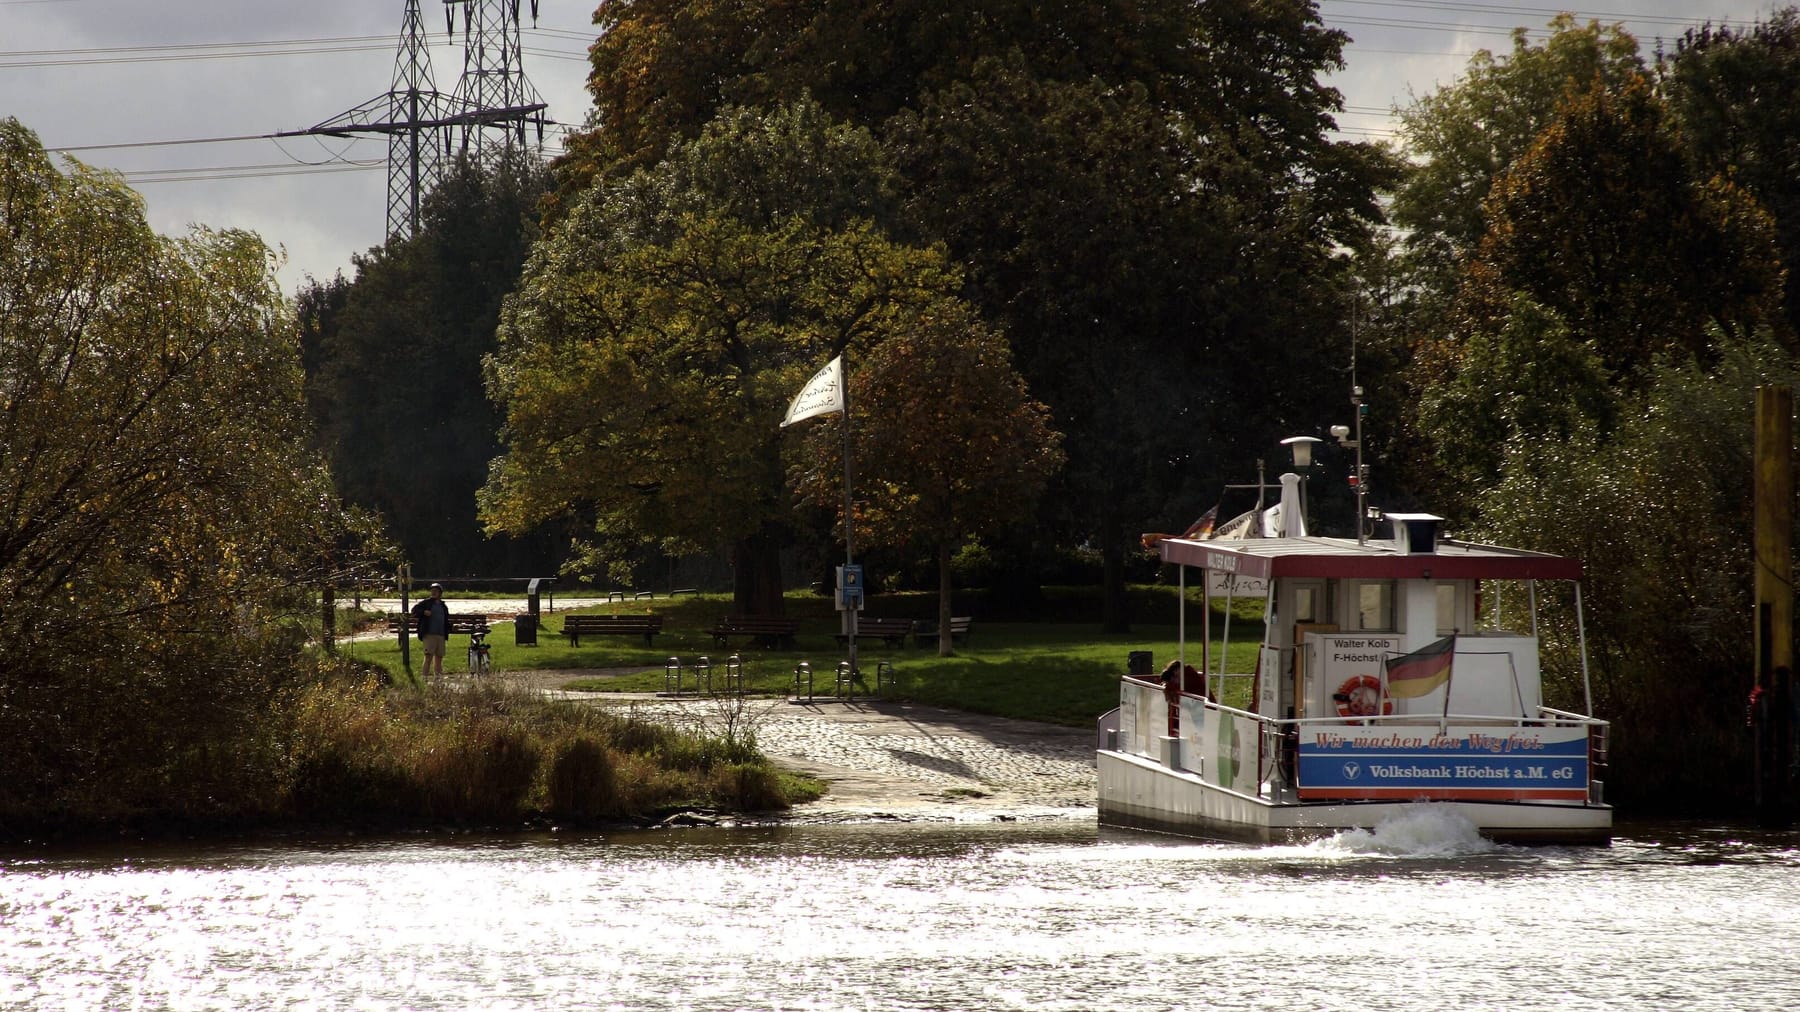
{"x": 1140, "y": 793}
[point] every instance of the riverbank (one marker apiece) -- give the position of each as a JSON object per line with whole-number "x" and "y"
{"x": 885, "y": 760}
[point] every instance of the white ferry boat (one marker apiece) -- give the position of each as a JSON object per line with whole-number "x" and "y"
{"x": 1381, "y": 683}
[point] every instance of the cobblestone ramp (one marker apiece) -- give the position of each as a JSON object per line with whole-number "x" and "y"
{"x": 904, "y": 761}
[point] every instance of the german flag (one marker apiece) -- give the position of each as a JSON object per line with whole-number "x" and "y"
{"x": 1422, "y": 671}
{"x": 1203, "y": 526}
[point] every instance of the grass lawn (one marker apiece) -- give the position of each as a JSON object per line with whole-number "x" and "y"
{"x": 1063, "y": 672}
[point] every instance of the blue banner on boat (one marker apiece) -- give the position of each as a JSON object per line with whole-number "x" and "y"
{"x": 1461, "y": 763}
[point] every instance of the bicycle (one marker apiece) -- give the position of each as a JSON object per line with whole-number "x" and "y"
{"x": 480, "y": 661}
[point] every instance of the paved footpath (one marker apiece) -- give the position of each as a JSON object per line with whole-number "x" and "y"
{"x": 903, "y": 760}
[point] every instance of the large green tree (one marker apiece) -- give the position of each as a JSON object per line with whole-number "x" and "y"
{"x": 1461, "y": 137}
{"x": 1736, "y": 95}
{"x": 396, "y": 373}
{"x": 158, "y": 503}
{"x": 1457, "y": 141}
{"x": 660, "y": 330}
{"x": 1601, "y": 225}
{"x": 1603, "y": 221}
{"x": 1140, "y": 190}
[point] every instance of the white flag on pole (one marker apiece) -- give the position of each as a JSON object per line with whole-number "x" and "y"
{"x": 823, "y": 394}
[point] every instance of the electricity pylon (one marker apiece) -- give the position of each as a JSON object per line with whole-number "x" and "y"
{"x": 489, "y": 110}
{"x": 493, "y": 81}
{"x": 412, "y": 115}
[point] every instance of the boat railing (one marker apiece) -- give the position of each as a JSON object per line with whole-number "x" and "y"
{"x": 1106, "y": 730}
{"x": 1573, "y": 718}
{"x": 1547, "y": 718}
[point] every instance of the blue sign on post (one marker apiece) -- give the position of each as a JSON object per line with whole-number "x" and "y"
{"x": 850, "y": 587}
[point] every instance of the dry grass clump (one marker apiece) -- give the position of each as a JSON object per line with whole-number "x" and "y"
{"x": 492, "y": 755}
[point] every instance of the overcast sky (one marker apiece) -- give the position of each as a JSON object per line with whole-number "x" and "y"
{"x": 118, "y": 80}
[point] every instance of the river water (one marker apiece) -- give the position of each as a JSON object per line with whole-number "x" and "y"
{"x": 1041, "y": 916}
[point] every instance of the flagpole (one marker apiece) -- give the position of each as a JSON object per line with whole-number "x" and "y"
{"x": 829, "y": 391}
{"x": 849, "y": 526}
{"x": 1449, "y": 677}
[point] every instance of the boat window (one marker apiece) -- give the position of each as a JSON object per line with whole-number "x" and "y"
{"x": 1446, "y": 609}
{"x": 1375, "y": 606}
{"x": 1306, "y": 604}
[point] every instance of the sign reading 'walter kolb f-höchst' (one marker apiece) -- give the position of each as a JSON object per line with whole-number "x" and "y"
{"x": 1457, "y": 764}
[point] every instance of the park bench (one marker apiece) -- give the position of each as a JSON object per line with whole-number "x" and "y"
{"x": 767, "y": 631}
{"x": 460, "y": 625}
{"x": 577, "y": 626}
{"x": 892, "y": 631}
{"x": 959, "y": 629}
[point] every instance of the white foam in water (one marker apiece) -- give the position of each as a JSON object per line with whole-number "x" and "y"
{"x": 1415, "y": 831}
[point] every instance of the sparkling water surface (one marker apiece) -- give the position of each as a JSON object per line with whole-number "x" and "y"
{"x": 1045, "y": 916}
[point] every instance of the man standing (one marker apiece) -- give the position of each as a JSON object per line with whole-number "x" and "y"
{"x": 431, "y": 622}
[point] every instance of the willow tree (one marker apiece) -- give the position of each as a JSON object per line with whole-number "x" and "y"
{"x": 157, "y": 501}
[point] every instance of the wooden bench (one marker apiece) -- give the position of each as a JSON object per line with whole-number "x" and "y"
{"x": 892, "y": 631}
{"x": 460, "y": 625}
{"x": 767, "y": 631}
{"x": 577, "y": 626}
{"x": 959, "y": 629}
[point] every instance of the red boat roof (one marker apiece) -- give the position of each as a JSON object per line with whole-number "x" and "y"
{"x": 1341, "y": 558}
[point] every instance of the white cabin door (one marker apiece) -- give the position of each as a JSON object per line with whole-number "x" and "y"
{"x": 1306, "y": 610}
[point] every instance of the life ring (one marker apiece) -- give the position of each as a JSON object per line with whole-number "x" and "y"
{"x": 1357, "y": 696}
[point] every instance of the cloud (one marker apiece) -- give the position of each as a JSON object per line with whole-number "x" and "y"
{"x": 91, "y": 73}
{"x": 191, "y": 73}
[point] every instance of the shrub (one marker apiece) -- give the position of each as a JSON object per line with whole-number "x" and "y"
{"x": 748, "y": 787}
{"x": 583, "y": 781}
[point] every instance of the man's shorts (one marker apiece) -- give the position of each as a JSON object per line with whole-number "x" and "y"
{"x": 434, "y": 644}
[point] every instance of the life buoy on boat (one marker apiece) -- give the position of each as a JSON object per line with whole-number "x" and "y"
{"x": 1358, "y": 695}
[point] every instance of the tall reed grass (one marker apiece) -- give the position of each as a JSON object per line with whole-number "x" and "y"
{"x": 497, "y": 755}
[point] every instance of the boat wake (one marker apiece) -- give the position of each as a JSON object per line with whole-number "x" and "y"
{"x": 1415, "y": 831}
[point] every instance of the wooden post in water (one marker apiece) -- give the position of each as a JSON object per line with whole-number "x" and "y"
{"x": 1771, "y": 700}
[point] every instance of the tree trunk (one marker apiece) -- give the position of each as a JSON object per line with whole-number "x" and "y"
{"x": 946, "y": 644}
{"x": 328, "y": 618}
{"x": 756, "y": 575}
{"x": 1115, "y": 611}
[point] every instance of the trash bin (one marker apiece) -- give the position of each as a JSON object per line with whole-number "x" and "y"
{"x": 525, "y": 630}
{"x": 1139, "y": 664}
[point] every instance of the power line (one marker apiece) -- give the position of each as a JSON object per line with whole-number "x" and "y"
{"x": 182, "y": 52}
{"x": 210, "y": 175}
{"x": 266, "y": 166}
{"x": 1400, "y": 21}
{"x": 1542, "y": 13}
{"x": 552, "y": 125}
{"x": 162, "y": 144}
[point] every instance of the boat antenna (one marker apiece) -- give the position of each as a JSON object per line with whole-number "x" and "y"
{"x": 1261, "y": 485}
{"x": 1359, "y": 479}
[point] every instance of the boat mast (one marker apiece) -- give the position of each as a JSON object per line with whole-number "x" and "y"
{"x": 1359, "y": 479}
